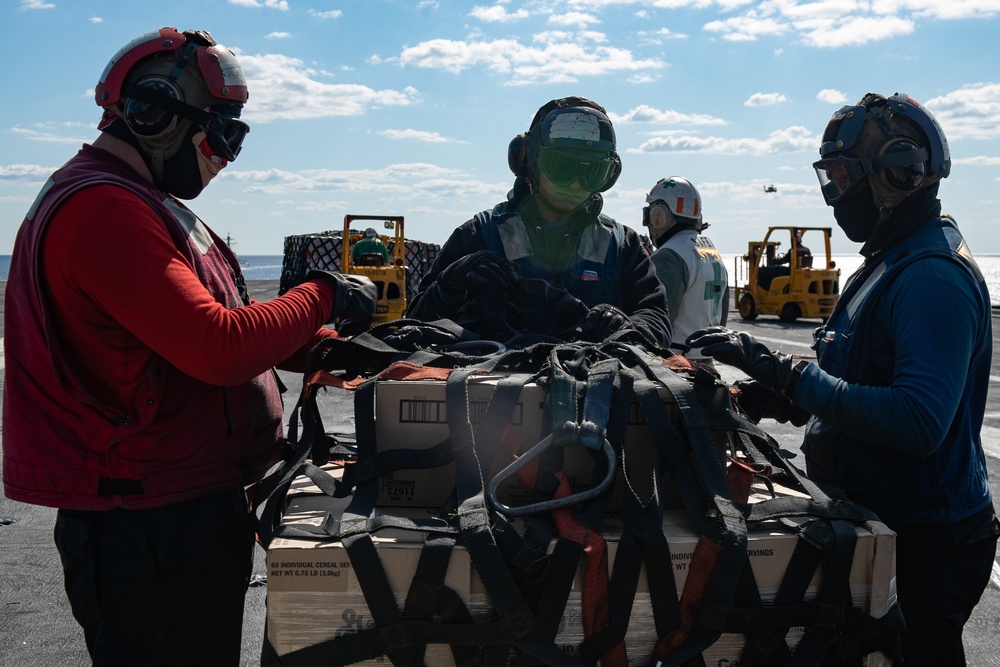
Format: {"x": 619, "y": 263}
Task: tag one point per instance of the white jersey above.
{"x": 696, "y": 281}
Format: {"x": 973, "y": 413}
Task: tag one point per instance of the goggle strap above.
{"x": 176, "y": 107}
{"x": 900, "y": 159}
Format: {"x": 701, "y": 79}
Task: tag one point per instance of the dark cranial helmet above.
{"x": 569, "y": 138}
{"x": 163, "y": 82}
{"x": 894, "y": 143}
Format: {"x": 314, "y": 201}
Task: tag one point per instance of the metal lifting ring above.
{"x": 554, "y": 503}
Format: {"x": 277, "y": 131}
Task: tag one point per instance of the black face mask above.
{"x": 181, "y": 173}
{"x": 857, "y": 215}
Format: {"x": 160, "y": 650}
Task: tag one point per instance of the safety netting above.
{"x": 322, "y": 251}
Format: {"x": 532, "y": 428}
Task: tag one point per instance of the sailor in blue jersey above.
{"x": 546, "y": 261}
{"x": 898, "y": 391}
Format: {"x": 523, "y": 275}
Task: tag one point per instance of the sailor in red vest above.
{"x": 140, "y": 396}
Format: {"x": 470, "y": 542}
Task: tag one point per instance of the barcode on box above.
{"x": 418, "y": 411}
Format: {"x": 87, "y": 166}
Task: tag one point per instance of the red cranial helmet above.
{"x": 163, "y": 82}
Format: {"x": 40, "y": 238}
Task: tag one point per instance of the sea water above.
{"x": 268, "y": 267}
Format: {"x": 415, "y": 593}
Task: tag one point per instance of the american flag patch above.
{"x": 589, "y": 276}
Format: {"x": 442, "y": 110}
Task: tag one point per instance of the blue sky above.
{"x": 406, "y": 108}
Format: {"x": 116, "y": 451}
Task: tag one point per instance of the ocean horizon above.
{"x": 268, "y": 267}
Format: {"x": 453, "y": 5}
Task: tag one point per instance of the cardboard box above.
{"x": 314, "y": 596}
{"x": 413, "y": 414}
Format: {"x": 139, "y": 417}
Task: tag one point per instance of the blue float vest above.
{"x": 593, "y": 277}
{"x": 949, "y": 485}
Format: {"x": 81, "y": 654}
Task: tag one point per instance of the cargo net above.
{"x": 323, "y": 252}
{"x": 576, "y": 504}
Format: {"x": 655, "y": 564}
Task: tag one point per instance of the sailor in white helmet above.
{"x": 686, "y": 261}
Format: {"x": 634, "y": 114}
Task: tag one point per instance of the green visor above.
{"x": 562, "y": 166}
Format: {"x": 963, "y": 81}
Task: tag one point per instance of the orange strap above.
{"x": 702, "y": 567}
{"x": 398, "y": 370}
{"x": 595, "y": 596}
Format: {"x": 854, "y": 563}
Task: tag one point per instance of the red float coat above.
{"x": 136, "y": 376}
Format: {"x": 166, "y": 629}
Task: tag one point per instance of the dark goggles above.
{"x": 839, "y": 176}
{"x": 563, "y": 166}
{"x": 225, "y": 132}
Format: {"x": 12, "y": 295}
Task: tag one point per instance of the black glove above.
{"x": 739, "y": 349}
{"x": 354, "y": 300}
{"x": 759, "y": 402}
{"x": 476, "y": 272}
{"x": 603, "y": 320}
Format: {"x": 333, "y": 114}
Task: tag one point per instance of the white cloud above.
{"x": 657, "y": 37}
{"x": 747, "y": 28}
{"x": 978, "y": 161}
{"x": 332, "y": 14}
{"x": 25, "y": 172}
{"x": 971, "y": 112}
{"x": 557, "y": 58}
{"x": 642, "y": 77}
{"x": 45, "y": 137}
{"x": 270, "y": 4}
{"x": 282, "y": 87}
{"x": 821, "y": 10}
{"x": 954, "y": 9}
{"x": 647, "y": 114}
{"x": 497, "y": 14}
{"x": 420, "y": 135}
{"x": 857, "y": 30}
{"x": 819, "y": 23}
{"x": 831, "y": 96}
{"x": 416, "y": 181}
{"x": 578, "y": 19}
{"x": 36, "y": 4}
{"x": 765, "y": 100}
{"x": 96, "y": 19}
{"x": 278, "y": 35}
{"x": 312, "y": 205}
{"x": 667, "y": 33}
{"x": 725, "y": 5}
{"x": 796, "y": 138}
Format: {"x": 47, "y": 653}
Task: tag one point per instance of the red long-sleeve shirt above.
{"x": 124, "y": 292}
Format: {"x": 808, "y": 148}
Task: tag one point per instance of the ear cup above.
{"x": 147, "y": 120}
{"x": 660, "y": 219}
{"x": 906, "y": 178}
{"x": 517, "y": 155}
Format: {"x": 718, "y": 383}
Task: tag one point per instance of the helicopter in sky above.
{"x": 770, "y": 188}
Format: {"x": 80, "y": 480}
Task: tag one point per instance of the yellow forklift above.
{"x": 389, "y": 276}
{"x": 790, "y": 285}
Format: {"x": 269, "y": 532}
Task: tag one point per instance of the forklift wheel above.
{"x": 790, "y": 312}
{"x": 748, "y": 309}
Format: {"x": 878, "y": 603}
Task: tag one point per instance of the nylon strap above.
{"x": 527, "y": 586}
